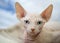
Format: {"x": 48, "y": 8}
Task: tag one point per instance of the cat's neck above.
{"x": 29, "y": 38}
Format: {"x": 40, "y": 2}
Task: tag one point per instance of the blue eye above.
{"x": 26, "y": 21}
{"x": 39, "y": 22}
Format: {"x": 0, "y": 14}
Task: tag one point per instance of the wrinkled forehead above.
{"x": 33, "y": 17}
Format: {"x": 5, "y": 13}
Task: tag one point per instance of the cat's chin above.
{"x": 33, "y": 33}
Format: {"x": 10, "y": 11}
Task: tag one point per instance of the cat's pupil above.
{"x": 26, "y": 21}
{"x": 39, "y": 22}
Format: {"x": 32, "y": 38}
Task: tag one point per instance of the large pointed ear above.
{"x": 20, "y": 12}
{"x": 46, "y": 14}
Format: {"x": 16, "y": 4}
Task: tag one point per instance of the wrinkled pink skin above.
{"x": 30, "y": 38}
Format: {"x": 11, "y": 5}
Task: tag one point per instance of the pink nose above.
{"x": 32, "y": 29}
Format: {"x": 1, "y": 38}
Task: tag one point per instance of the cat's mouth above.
{"x": 34, "y": 33}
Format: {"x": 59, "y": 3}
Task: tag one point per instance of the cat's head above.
{"x": 33, "y": 22}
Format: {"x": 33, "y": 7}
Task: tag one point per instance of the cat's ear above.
{"x": 46, "y": 14}
{"x": 20, "y": 12}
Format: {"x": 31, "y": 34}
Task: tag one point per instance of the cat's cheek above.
{"x": 38, "y": 31}
{"x": 28, "y": 30}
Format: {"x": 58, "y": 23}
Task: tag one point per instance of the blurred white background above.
{"x": 7, "y": 10}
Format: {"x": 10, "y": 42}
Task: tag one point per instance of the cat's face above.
{"x": 33, "y": 23}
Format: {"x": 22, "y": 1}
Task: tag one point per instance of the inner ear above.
{"x": 46, "y": 14}
{"x": 20, "y": 12}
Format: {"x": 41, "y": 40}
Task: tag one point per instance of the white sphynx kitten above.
{"x": 33, "y": 27}
{"x": 34, "y": 23}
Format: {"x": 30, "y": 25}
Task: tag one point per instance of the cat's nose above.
{"x": 32, "y": 29}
